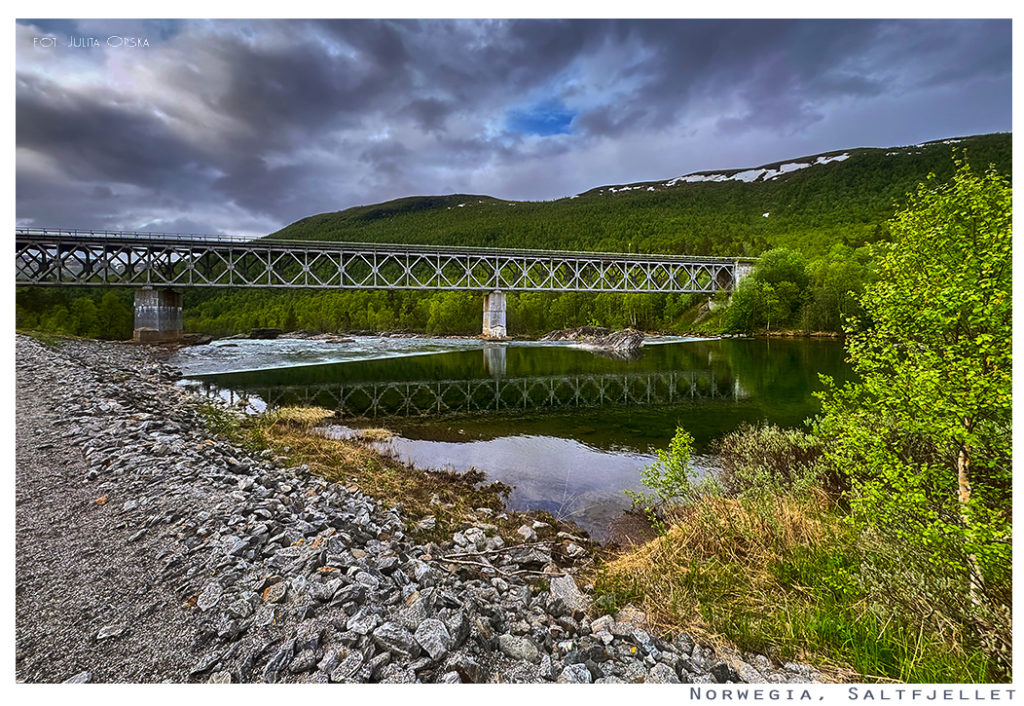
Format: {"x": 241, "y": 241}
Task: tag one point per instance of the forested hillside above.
{"x": 808, "y": 209}
{"x": 816, "y": 214}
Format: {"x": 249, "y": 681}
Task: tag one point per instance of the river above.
{"x": 568, "y": 428}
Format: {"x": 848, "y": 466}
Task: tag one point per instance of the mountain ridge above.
{"x": 807, "y": 202}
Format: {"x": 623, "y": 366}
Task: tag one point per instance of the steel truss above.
{"x": 51, "y": 257}
{"x": 437, "y": 398}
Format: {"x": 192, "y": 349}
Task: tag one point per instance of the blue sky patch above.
{"x": 547, "y": 118}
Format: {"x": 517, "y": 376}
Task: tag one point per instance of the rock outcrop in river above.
{"x": 625, "y": 342}
{"x": 150, "y": 550}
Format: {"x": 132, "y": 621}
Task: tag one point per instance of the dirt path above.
{"x": 68, "y": 589}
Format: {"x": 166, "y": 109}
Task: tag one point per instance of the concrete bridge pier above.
{"x": 157, "y": 315}
{"x": 741, "y": 269}
{"x": 494, "y": 315}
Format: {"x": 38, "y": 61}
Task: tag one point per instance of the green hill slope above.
{"x": 806, "y": 203}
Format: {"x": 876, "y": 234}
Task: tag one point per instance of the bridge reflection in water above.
{"x": 497, "y": 394}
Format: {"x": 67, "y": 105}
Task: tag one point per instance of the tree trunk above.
{"x": 963, "y": 464}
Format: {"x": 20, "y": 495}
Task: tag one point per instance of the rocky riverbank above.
{"x": 150, "y": 550}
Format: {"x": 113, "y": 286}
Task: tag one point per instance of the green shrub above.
{"x": 766, "y": 459}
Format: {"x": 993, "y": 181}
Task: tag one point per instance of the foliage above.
{"x": 785, "y": 290}
{"x": 92, "y": 313}
{"x": 925, "y": 433}
{"x": 836, "y": 281}
{"x": 673, "y": 480}
{"x": 760, "y": 460}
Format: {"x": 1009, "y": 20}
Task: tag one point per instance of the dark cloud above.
{"x": 430, "y": 114}
{"x": 248, "y": 125}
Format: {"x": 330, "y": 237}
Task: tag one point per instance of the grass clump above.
{"x": 374, "y": 435}
{"x": 47, "y": 338}
{"x": 297, "y": 417}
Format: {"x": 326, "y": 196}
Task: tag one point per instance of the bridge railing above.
{"x": 143, "y": 236}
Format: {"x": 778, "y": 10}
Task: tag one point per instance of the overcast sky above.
{"x": 245, "y": 126}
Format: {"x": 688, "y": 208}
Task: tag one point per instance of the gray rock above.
{"x": 662, "y": 674}
{"x": 392, "y": 637}
{"x": 276, "y": 592}
{"x": 564, "y": 588}
{"x": 518, "y": 648}
{"x": 700, "y": 660}
{"x": 759, "y": 662}
{"x": 348, "y": 667}
{"x": 723, "y": 673}
{"x": 368, "y": 580}
{"x": 395, "y": 674}
{"x": 475, "y": 537}
{"x": 433, "y": 637}
{"x": 221, "y": 677}
{"x": 574, "y": 550}
{"x": 527, "y": 533}
{"x": 468, "y": 668}
{"x": 265, "y": 615}
{"x": 280, "y": 661}
{"x": 240, "y": 609}
{"x": 575, "y": 674}
{"x": 645, "y": 642}
{"x": 109, "y": 631}
{"x": 749, "y": 675}
{"x": 237, "y": 547}
{"x": 205, "y": 663}
{"x": 414, "y": 613}
{"x": 634, "y": 672}
{"x": 684, "y": 643}
{"x": 210, "y": 596}
{"x": 374, "y": 666}
{"x": 363, "y": 623}
{"x": 304, "y": 661}
{"x": 80, "y": 678}
{"x": 804, "y": 671}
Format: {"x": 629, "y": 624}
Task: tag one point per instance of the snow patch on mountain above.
{"x": 756, "y": 174}
{"x": 766, "y": 173}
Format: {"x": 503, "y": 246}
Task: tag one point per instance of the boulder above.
{"x": 264, "y": 334}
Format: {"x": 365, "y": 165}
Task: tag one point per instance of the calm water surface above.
{"x": 568, "y": 428}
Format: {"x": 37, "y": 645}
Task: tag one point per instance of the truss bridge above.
{"x": 158, "y": 265}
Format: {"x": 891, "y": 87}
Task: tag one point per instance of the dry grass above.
{"x": 450, "y": 497}
{"x": 374, "y": 434}
{"x": 723, "y": 534}
{"x": 782, "y": 576}
{"x": 299, "y": 417}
